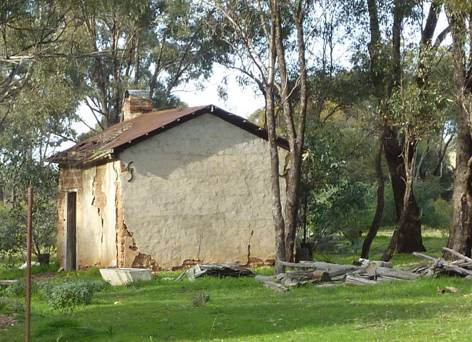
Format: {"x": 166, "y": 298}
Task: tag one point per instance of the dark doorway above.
{"x": 70, "y": 262}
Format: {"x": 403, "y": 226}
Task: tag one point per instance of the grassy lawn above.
{"x": 242, "y": 310}
{"x": 433, "y": 240}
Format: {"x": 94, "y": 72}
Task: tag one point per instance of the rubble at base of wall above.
{"x": 145, "y": 261}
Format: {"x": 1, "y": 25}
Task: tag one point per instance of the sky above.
{"x": 241, "y": 100}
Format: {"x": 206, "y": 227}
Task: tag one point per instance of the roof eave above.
{"x": 96, "y": 158}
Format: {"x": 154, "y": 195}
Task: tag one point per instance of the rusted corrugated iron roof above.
{"x": 118, "y": 137}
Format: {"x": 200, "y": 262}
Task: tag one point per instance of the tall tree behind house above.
{"x": 268, "y": 42}
{"x": 399, "y": 140}
{"x": 153, "y": 44}
{"x": 460, "y": 19}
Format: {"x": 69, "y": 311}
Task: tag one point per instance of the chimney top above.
{"x": 135, "y": 103}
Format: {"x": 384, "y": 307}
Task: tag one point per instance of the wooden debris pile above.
{"x": 215, "y": 270}
{"x": 461, "y": 267}
{"x": 328, "y": 274}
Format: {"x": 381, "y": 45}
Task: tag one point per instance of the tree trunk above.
{"x": 374, "y": 227}
{"x": 460, "y": 236}
{"x": 406, "y": 238}
{"x": 409, "y": 229}
{"x": 291, "y": 205}
{"x": 295, "y": 124}
{"x": 279, "y": 224}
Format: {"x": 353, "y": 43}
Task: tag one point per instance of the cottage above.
{"x": 166, "y": 188}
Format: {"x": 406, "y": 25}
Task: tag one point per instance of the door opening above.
{"x": 70, "y": 261}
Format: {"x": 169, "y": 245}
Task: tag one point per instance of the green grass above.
{"x": 242, "y": 310}
{"x": 433, "y": 240}
{"x": 15, "y": 272}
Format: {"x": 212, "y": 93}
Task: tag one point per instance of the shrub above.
{"x": 200, "y": 299}
{"x": 66, "y": 297}
{"x": 97, "y": 285}
{"x": 15, "y": 290}
{"x": 438, "y": 213}
{"x": 10, "y": 306}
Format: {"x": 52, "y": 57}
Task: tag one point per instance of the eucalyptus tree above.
{"x": 387, "y": 76}
{"x": 460, "y": 18}
{"x": 38, "y": 97}
{"x": 38, "y": 122}
{"x": 29, "y": 30}
{"x": 152, "y": 44}
{"x": 267, "y": 42}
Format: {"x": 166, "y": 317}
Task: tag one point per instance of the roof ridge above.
{"x": 121, "y": 135}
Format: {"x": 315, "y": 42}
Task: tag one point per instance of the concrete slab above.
{"x": 123, "y": 276}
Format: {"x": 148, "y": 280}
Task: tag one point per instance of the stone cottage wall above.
{"x": 96, "y": 213}
{"x": 199, "y": 191}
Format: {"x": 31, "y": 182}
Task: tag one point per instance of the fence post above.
{"x": 29, "y": 238}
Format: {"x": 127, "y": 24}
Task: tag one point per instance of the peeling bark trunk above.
{"x": 291, "y": 206}
{"x": 279, "y": 224}
{"x": 460, "y": 235}
{"x": 408, "y": 238}
{"x": 294, "y": 119}
{"x": 374, "y": 227}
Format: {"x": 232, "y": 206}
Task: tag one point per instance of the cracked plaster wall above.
{"x": 199, "y": 191}
{"x": 96, "y": 214}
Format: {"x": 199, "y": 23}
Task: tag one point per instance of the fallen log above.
{"x": 269, "y": 282}
{"x": 441, "y": 266}
{"x": 327, "y": 274}
{"x": 364, "y": 262}
{"x": 293, "y": 279}
{"x": 395, "y": 273}
{"x": 320, "y": 265}
{"x": 456, "y": 270}
{"x": 350, "y": 279}
{"x": 424, "y": 256}
{"x": 457, "y": 254}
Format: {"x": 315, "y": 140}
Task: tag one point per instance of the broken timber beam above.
{"x": 424, "y": 256}
{"x": 457, "y": 254}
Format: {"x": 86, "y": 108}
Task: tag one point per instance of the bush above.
{"x": 200, "y": 299}
{"x": 15, "y": 290}
{"x": 436, "y": 211}
{"x": 66, "y": 297}
{"x": 438, "y": 214}
{"x": 11, "y": 306}
{"x": 97, "y": 286}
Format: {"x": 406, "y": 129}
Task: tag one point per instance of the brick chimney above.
{"x": 135, "y": 103}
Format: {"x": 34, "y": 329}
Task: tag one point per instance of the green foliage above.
{"x": 200, "y": 299}
{"x": 417, "y": 108}
{"x": 436, "y": 210}
{"x": 438, "y": 214}
{"x": 431, "y": 195}
{"x": 15, "y": 290}
{"x": 11, "y": 306}
{"x": 68, "y": 296}
{"x": 339, "y": 191}
{"x": 11, "y": 233}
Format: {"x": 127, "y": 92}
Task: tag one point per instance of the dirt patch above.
{"x": 6, "y": 321}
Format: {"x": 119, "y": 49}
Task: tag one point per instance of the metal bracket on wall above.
{"x": 129, "y": 171}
